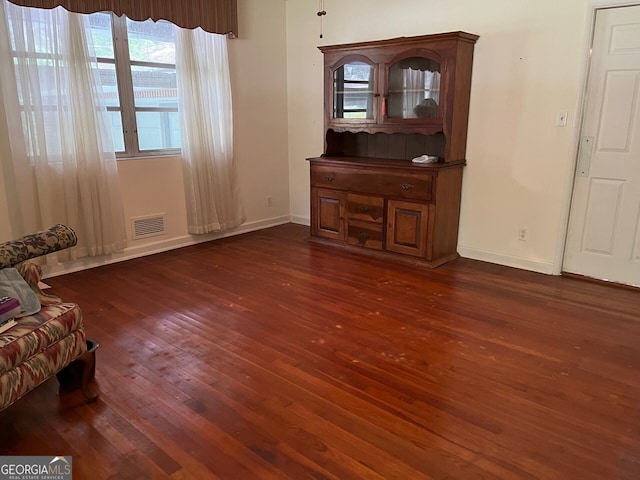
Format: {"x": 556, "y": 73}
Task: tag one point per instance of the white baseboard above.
{"x": 130, "y": 253}
{"x": 301, "y": 220}
{"x": 506, "y": 260}
{"x": 483, "y": 255}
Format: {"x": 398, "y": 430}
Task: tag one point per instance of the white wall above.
{"x": 258, "y": 76}
{"x": 259, "y": 81}
{"x": 529, "y": 64}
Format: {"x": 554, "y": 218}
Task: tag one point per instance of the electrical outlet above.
{"x": 269, "y": 201}
{"x": 523, "y": 234}
{"x": 561, "y": 119}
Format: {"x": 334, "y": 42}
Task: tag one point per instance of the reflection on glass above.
{"x": 154, "y": 86}
{"x": 158, "y": 130}
{"x": 414, "y": 88}
{"x": 353, "y": 91}
{"x": 107, "y": 73}
{"x": 100, "y": 26}
{"x": 115, "y": 119}
{"x": 151, "y": 41}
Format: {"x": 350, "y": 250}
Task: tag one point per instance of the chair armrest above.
{"x": 36, "y": 244}
{"x": 32, "y": 273}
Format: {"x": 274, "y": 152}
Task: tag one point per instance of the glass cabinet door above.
{"x": 414, "y": 89}
{"x": 353, "y": 91}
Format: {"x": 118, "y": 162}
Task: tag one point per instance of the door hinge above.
{"x": 584, "y": 156}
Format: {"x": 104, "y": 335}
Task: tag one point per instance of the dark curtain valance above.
{"x": 215, "y": 16}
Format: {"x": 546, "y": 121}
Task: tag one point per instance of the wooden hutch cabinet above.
{"x": 387, "y": 102}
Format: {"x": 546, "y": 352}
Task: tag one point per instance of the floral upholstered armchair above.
{"x": 47, "y": 338}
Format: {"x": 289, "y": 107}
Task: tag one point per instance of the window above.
{"x": 353, "y": 91}
{"x": 136, "y": 63}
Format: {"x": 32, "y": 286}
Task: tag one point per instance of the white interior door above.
{"x": 603, "y": 239}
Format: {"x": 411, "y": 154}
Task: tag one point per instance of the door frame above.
{"x": 594, "y": 7}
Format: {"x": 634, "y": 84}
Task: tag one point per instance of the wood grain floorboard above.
{"x": 265, "y": 356}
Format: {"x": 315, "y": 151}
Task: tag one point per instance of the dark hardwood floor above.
{"x": 264, "y": 356}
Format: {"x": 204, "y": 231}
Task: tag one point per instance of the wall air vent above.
{"x": 148, "y": 226}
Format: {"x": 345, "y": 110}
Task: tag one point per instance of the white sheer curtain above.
{"x": 433, "y": 85}
{"x": 414, "y": 91}
{"x": 204, "y": 89}
{"x": 62, "y": 167}
{"x": 422, "y": 95}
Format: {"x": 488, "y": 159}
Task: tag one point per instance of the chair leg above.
{"x": 88, "y": 360}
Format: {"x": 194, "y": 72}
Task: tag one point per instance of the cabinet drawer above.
{"x": 365, "y": 208}
{"x": 363, "y": 234}
{"x": 415, "y": 186}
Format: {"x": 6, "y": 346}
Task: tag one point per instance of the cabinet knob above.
{"x": 364, "y": 209}
{"x": 330, "y": 178}
{"x": 407, "y": 186}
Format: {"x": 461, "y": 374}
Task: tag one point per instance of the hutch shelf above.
{"x": 387, "y": 102}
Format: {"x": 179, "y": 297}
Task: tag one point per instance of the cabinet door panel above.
{"x": 413, "y": 88}
{"x": 353, "y": 90}
{"x": 327, "y": 212}
{"x": 407, "y": 228}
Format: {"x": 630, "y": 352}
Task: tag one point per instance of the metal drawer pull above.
{"x": 330, "y": 178}
{"x": 364, "y": 209}
{"x": 407, "y": 186}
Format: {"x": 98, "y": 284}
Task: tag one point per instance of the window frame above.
{"x": 128, "y": 108}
